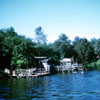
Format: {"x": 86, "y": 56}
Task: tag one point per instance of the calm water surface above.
{"x": 54, "y": 87}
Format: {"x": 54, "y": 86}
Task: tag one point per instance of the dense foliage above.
{"x": 84, "y": 50}
{"x": 19, "y": 52}
{"x": 15, "y": 51}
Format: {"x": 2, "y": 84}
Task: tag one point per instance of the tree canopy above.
{"x": 20, "y": 52}
{"x": 84, "y": 50}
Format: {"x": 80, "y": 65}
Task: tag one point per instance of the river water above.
{"x": 54, "y": 87}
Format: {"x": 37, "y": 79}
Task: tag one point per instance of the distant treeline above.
{"x": 17, "y": 51}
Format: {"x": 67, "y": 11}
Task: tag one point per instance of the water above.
{"x": 54, "y": 87}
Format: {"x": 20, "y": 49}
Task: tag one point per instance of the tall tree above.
{"x": 84, "y": 50}
{"x": 40, "y": 37}
{"x": 62, "y": 45}
{"x": 96, "y": 46}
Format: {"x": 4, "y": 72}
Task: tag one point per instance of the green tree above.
{"x": 17, "y": 51}
{"x": 96, "y": 46}
{"x": 62, "y": 45}
{"x": 7, "y": 46}
{"x": 3, "y": 51}
{"x": 84, "y": 50}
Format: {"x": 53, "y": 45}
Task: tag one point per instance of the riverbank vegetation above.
{"x": 17, "y": 51}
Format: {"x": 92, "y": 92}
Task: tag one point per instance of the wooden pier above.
{"x": 24, "y": 73}
{"x": 65, "y": 68}
{"x": 31, "y": 76}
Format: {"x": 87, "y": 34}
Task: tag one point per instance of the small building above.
{"x": 67, "y": 62}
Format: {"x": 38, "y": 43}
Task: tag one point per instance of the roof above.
{"x": 40, "y": 57}
{"x": 66, "y": 60}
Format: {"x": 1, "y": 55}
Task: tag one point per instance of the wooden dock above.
{"x": 63, "y": 68}
{"x": 31, "y": 76}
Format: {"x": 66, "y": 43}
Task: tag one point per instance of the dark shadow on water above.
{"x": 94, "y": 68}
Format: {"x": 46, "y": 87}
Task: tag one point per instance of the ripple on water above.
{"x": 55, "y": 87}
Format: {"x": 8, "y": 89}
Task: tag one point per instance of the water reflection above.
{"x": 55, "y": 87}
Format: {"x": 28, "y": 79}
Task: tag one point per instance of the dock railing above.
{"x": 29, "y": 72}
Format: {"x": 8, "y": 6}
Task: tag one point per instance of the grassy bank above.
{"x": 94, "y": 65}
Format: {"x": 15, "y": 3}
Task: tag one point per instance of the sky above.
{"x": 72, "y": 17}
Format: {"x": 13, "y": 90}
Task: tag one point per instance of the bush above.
{"x": 93, "y": 64}
{"x": 98, "y": 63}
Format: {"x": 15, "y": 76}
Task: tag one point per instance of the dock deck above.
{"x": 32, "y": 76}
